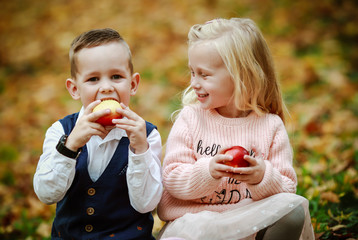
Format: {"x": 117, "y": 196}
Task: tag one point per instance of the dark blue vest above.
{"x": 101, "y": 209}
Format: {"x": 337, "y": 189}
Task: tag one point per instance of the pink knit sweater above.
{"x": 197, "y": 135}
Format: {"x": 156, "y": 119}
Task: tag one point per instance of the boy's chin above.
{"x": 109, "y": 128}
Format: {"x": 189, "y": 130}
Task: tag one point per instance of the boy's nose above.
{"x": 106, "y": 86}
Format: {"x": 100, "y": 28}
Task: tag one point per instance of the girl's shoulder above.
{"x": 269, "y": 120}
{"x": 274, "y": 122}
{"x": 274, "y": 118}
{"x": 190, "y": 111}
{"x": 191, "y": 115}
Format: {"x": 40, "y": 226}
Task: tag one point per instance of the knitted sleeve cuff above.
{"x": 269, "y": 185}
{"x": 202, "y": 169}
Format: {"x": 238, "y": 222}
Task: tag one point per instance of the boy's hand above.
{"x": 135, "y": 127}
{"x": 86, "y": 127}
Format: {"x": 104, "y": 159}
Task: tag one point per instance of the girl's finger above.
{"x": 251, "y": 160}
{"x": 222, "y": 158}
{"x": 243, "y": 170}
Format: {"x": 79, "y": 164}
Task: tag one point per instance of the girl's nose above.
{"x": 194, "y": 83}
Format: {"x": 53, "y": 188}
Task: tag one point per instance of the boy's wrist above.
{"x": 139, "y": 149}
{"x": 70, "y": 144}
{"x": 61, "y": 148}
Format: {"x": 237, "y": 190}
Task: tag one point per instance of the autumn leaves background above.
{"x": 314, "y": 44}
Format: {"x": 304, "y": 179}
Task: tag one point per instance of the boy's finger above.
{"x": 91, "y": 106}
{"x": 96, "y": 115}
{"x": 127, "y": 112}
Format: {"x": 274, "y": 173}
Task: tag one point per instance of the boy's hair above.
{"x": 93, "y": 38}
{"x": 248, "y": 60}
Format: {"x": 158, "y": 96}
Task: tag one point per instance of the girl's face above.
{"x": 103, "y": 73}
{"x": 211, "y": 80}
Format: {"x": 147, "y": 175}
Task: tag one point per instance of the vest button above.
{"x": 91, "y": 191}
{"x": 89, "y": 228}
{"x": 90, "y": 211}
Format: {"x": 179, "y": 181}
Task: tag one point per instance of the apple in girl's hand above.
{"x": 237, "y": 154}
{"x": 107, "y": 119}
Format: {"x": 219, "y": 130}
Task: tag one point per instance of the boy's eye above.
{"x": 204, "y": 75}
{"x": 93, "y": 79}
{"x": 116, "y": 77}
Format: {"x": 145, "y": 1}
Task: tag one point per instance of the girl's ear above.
{"x": 71, "y": 86}
{"x": 135, "y": 83}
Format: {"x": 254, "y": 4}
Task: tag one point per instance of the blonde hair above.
{"x": 93, "y": 38}
{"x": 248, "y": 59}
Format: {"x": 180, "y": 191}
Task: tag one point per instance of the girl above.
{"x": 233, "y": 100}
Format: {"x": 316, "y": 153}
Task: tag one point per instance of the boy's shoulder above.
{"x": 150, "y": 127}
{"x": 70, "y": 117}
{"x": 69, "y": 122}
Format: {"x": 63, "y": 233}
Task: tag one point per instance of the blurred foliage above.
{"x": 314, "y": 44}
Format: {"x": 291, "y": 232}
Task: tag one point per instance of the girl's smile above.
{"x": 201, "y": 97}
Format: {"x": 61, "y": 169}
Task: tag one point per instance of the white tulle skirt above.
{"x": 241, "y": 223}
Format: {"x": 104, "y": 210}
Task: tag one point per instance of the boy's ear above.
{"x": 135, "y": 83}
{"x": 72, "y": 88}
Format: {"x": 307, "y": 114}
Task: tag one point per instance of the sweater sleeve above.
{"x": 184, "y": 176}
{"x": 279, "y": 175}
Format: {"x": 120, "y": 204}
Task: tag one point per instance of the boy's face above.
{"x": 103, "y": 72}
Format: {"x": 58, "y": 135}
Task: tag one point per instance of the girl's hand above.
{"x": 135, "y": 127}
{"x": 86, "y": 127}
{"x": 252, "y": 174}
{"x": 217, "y": 168}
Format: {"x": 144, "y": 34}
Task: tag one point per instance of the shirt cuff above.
{"x": 63, "y": 164}
{"x": 138, "y": 161}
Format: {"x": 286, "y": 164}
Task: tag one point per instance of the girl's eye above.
{"x": 204, "y": 75}
{"x": 93, "y": 79}
{"x": 192, "y": 73}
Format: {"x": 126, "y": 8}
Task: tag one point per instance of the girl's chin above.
{"x": 205, "y": 106}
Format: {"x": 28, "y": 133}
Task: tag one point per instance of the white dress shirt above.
{"x": 55, "y": 172}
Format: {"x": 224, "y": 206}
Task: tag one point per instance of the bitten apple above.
{"x": 107, "y": 119}
{"x": 237, "y": 153}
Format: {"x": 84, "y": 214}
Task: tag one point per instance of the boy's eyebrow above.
{"x": 121, "y": 70}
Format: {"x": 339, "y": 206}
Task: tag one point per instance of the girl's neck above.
{"x": 233, "y": 113}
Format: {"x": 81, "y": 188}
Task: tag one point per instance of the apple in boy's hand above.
{"x": 237, "y": 153}
{"x": 107, "y": 119}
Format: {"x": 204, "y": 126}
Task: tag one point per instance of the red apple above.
{"x": 238, "y": 154}
{"x": 107, "y": 119}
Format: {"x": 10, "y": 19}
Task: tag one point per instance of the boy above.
{"x": 105, "y": 180}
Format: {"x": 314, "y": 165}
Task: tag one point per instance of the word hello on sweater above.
{"x": 208, "y": 151}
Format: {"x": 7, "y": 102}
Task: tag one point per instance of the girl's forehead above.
{"x": 205, "y": 56}
{"x": 203, "y": 48}
{"x": 202, "y": 43}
